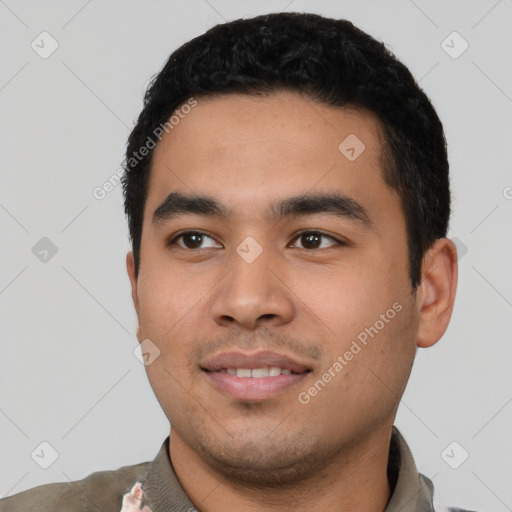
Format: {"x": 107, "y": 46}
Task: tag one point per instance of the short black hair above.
{"x": 332, "y": 62}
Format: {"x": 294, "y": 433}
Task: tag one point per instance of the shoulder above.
{"x": 101, "y": 491}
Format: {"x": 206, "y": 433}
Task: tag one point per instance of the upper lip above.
{"x": 262, "y": 359}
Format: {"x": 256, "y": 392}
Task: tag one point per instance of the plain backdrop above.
{"x": 69, "y": 376}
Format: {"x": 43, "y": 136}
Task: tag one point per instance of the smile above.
{"x": 254, "y": 376}
{"x": 273, "y": 371}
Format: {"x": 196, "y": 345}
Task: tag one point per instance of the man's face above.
{"x": 298, "y": 290}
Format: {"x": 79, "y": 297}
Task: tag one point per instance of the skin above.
{"x": 310, "y": 303}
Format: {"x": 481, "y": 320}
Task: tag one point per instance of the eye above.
{"x": 197, "y": 239}
{"x": 313, "y": 240}
{"x": 192, "y": 240}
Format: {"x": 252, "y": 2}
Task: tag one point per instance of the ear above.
{"x": 130, "y": 268}
{"x": 436, "y": 293}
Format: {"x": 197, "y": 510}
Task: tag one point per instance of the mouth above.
{"x": 254, "y": 377}
{"x": 257, "y": 373}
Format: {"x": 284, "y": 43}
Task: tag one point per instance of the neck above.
{"x": 354, "y": 480}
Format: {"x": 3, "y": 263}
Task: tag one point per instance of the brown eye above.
{"x": 311, "y": 241}
{"x": 193, "y": 240}
{"x": 314, "y": 240}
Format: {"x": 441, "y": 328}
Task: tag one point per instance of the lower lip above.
{"x": 253, "y": 388}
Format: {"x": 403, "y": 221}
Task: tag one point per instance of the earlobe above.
{"x": 436, "y": 294}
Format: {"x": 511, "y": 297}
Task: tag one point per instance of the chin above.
{"x": 260, "y": 463}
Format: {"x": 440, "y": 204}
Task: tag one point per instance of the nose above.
{"x": 253, "y": 294}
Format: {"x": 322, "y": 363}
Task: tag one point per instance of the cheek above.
{"x": 173, "y": 305}
{"x": 347, "y": 298}
{"x": 168, "y": 297}
{"x": 361, "y": 313}
{"x": 366, "y": 378}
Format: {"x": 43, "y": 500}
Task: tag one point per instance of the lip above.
{"x": 253, "y": 388}
{"x": 260, "y": 359}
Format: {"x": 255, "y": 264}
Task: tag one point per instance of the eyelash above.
{"x": 174, "y": 239}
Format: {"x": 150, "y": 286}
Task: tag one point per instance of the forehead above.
{"x": 284, "y": 118}
{"x": 246, "y": 150}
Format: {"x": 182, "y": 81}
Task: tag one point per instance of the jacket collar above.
{"x": 413, "y": 491}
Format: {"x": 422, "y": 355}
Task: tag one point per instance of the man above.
{"x": 288, "y": 201}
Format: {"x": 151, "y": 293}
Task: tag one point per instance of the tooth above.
{"x": 232, "y": 371}
{"x": 259, "y": 372}
{"x": 274, "y": 371}
{"x": 285, "y": 371}
{"x": 243, "y": 372}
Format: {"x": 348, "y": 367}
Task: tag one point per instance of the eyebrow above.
{"x": 177, "y": 204}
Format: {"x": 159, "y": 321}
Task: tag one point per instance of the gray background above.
{"x": 68, "y": 373}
